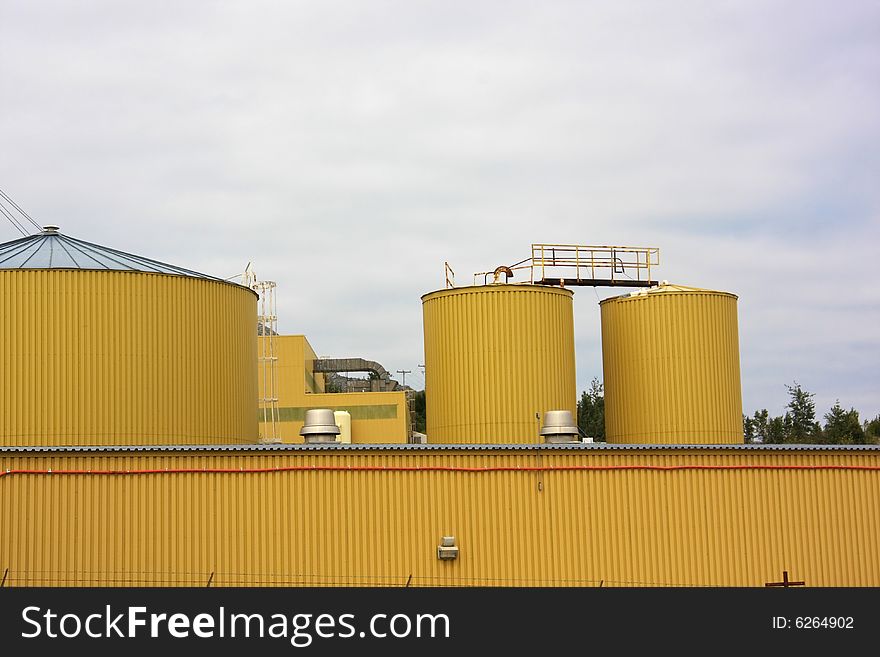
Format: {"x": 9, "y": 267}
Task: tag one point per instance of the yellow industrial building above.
{"x": 376, "y": 417}
{"x": 134, "y": 451}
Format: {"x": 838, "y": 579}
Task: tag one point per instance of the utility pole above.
{"x": 404, "y": 373}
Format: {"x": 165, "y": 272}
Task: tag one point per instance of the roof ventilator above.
{"x": 559, "y": 427}
{"x": 319, "y": 427}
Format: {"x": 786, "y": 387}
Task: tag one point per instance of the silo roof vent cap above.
{"x": 319, "y": 426}
{"x": 559, "y": 427}
{"x": 50, "y": 229}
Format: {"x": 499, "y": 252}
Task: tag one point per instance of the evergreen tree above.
{"x": 799, "y": 425}
{"x": 785, "y": 423}
{"x": 775, "y": 431}
{"x": 748, "y": 429}
{"x": 759, "y": 426}
{"x": 843, "y": 427}
{"x": 872, "y": 430}
{"x": 591, "y": 411}
{"x": 800, "y": 420}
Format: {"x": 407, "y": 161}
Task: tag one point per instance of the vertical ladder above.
{"x": 267, "y": 322}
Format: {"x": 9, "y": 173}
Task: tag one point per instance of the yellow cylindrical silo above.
{"x": 140, "y": 353}
{"x": 671, "y": 367}
{"x": 497, "y": 357}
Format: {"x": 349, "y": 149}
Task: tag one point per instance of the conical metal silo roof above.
{"x": 50, "y": 249}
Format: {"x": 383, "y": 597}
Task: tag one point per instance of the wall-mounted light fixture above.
{"x": 447, "y": 548}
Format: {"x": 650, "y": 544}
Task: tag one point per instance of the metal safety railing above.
{"x": 614, "y": 263}
{"x": 576, "y": 264}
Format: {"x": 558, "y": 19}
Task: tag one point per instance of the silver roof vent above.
{"x": 50, "y": 229}
{"x": 320, "y": 426}
{"x": 559, "y": 427}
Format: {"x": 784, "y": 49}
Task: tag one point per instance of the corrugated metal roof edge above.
{"x": 466, "y": 447}
{"x": 498, "y": 287}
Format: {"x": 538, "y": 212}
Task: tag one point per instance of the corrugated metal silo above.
{"x": 495, "y": 355}
{"x": 101, "y": 347}
{"x": 671, "y": 364}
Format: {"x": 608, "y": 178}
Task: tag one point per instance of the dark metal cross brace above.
{"x": 785, "y": 581}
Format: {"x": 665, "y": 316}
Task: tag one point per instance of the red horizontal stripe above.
{"x": 435, "y": 468}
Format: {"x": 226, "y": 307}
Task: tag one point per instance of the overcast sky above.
{"x": 348, "y": 148}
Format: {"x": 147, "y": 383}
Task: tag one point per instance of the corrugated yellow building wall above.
{"x": 671, "y": 367}
{"x": 117, "y": 357}
{"x": 531, "y": 517}
{"x": 495, "y": 356}
{"x": 376, "y": 417}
